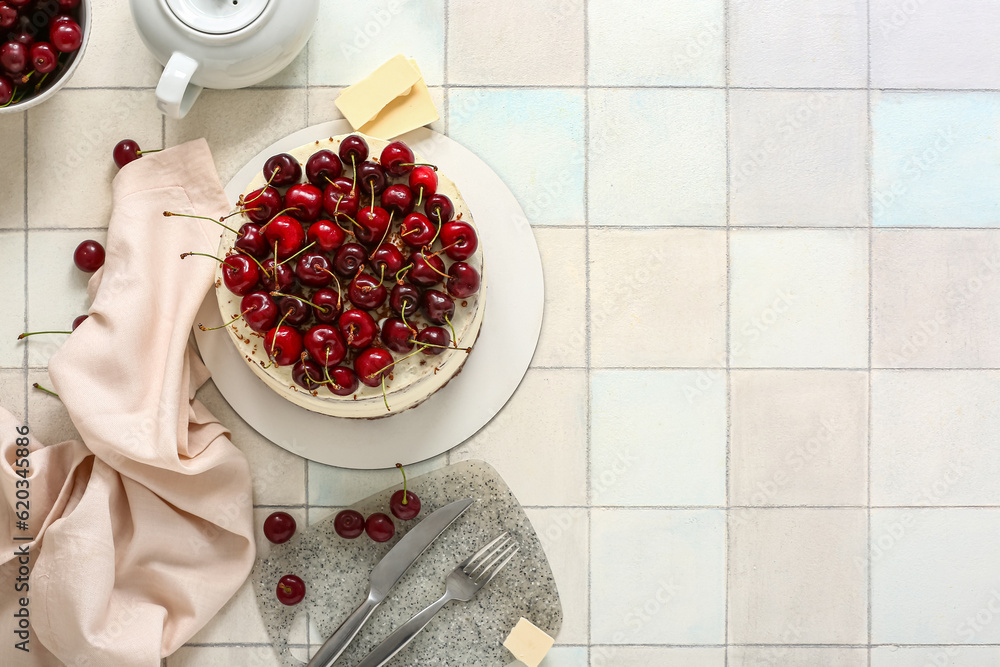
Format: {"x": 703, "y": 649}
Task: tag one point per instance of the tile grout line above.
{"x": 27, "y": 342}
{"x": 871, "y": 234}
{"x": 585, "y": 86}
{"x": 729, "y": 310}
{"x": 446, "y": 83}
{"x": 587, "y": 323}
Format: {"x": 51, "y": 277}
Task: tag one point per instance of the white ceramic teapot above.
{"x": 220, "y": 43}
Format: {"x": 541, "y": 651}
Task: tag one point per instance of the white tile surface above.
{"x": 799, "y": 298}
{"x": 563, "y": 532}
{"x": 794, "y": 576}
{"x": 768, "y": 656}
{"x": 934, "y": 299}
{"x": 675, "y": 174}
{"x": 48, "y": 419}
{"x": 933, "y": 437}
{"x": 921, "y": 656}
{"x": 542, "y": 42}
{"x": 565, "y": 656}
{"x": 798, "y": 43}
{"x": 223, "y": 656}
{"x": 798, "y": 437}
{"x": 354, "y": 39}
{"x": 12, "y": 194}
{"x": 564, "y": 336}
{"x": 115, "y": 54}
{"x": 934, "y": 576}
{"x": 12, "y": 257}
{"x": 657, "y": 577}
{"x": 337, "y": 487}
{"x": 644, "y": 656}
{"x": 933, "y": 44}
{"x": 77, "y": 157}
{"x": 547, "y": 418}
{"x": 799, "y": 157}
{"x": 510, "y": 128}
{"x": 657, "y": 439}
{"x": 57, "y": 290}
{"x": 670, "y": 42}
{"x": 658, "y": 297}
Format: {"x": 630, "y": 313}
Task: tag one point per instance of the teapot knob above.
{"x": 175, "y": 93}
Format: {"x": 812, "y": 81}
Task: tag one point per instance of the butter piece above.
{"x": 364, "y": 100}
{"x": 528, "y": 643}
{"x": 406, "y": 112}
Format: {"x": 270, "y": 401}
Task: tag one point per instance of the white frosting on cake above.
{"x": 414, "y": 379}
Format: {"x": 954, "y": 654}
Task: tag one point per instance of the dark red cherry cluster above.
{"x": 403, "y": 504}
{"x": 38, "y": 37}
{"x": 347, "y": 260}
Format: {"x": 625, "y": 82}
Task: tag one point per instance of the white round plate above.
{"x": 514, "y": 302}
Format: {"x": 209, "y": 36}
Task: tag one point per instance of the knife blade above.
{"x": 385, "y": 575}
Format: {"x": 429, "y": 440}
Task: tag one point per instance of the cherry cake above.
{"x": 353, "y": 277}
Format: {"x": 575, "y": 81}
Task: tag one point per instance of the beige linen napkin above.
{"x": 144, "y": 529}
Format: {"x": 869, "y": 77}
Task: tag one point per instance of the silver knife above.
{"x": 386, "y": 574}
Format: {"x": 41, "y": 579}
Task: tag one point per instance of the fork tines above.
{"x": 489, "y": 560}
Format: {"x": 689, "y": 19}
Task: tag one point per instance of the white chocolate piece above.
{"x": 528, "y": 643}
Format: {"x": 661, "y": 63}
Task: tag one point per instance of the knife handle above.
{"x": 403, "y": 635}
{"x": 342, "y": 636}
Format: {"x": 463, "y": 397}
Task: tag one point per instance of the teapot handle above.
{"x": 175, "y": 93}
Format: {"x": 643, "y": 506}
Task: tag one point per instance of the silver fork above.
{"x": 464, "y": 582}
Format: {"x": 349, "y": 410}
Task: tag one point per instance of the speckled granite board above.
{"x": 470, "y": 634}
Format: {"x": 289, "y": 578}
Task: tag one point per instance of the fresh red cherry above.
{"x": 380, "y": 527}
{"x": 358, "y": 328}
{"x": 345, "y": 381}
{"x": 353, "y": 149}
{"x": 328, "y": 304}
{"x": 294, "y": 309}
{"x": 387, "y": 260}
{"x": 417, "y": 230}
{"x": 374, "y": 221}
{"x": 14, "y": 57}
{"x": 367, "y": 292}
{"x": 372, "y": 178}
{"x": 251, "y": 240}
{"x": 322, "y": 167}
{"x": 262, "y": 204}
{"x": 404, "y": 511}
{"x": 291, "y": 590}
{"x": 276, "y": 278}
{"x": 427, "y": 269}
{"x": 404, "y": 299}
{"x": 439, "y": 209}
{"x": 66, "y": 36}
{"x": 89, "y": 256}
{"x": 341, "y": 199}
{"x": 305, "y": 200}
{"x": 78, "y": 321}
{"x": 372, "y": 365}
{"x": 279, "y": 527}
{"x": 313, "y": 270}
{"x": 436, "y": 338}
{"x": 459, "y": 240}
{"x": 398, "y": 200}
{"x": 58, "y": 18}
{"x": 8, "y": 15}
{"x": 325, "y": 345}
{"x": 307, "y": 374}
{"x": 44, "y": 58}
{"x": 125, "y": 151}
{"x": 260, "y": 312}
{"x": 397, "y": 336}
{"x": 349, "y": 524}
{"x": 19, "y": 3}
{"x": 437, "y": 306}
{"x": 423, "y": 181}
{"x": 326, "y": 234}
{"x": 6, "y": 90}
{"x": 397, "y": 158}
{"x": 282, "y": 170}
{"x": 463, "y": 280}
{"x": 283, "y": 344}
{"x": 348, "y": 259}
{"x": 67, "y": 5}
{"x": 287, "y": 232}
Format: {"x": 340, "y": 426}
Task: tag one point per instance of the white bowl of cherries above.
{"x": 41, "y": 45}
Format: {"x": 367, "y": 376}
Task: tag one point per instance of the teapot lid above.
{"x": 217, "y": 17}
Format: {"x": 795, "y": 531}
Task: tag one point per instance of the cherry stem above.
{"x": 170, "y": 214}
{"x": 261, "y": 266}
{"x": 445, "y": 248}
{"x": 420, "y": 197}
{"x": 402, "y": 272}
{"x": 396, "y": 361}
{"x": 354, "y": 168}
{"x": 400, "y": 466}
{"x": 201, "y": 254}
{"x": 440, "y": 225}
{"x": 151, "y": 150}
{"x": 282, "y": 211}
{"x": 274, "y": 340}
{"x": 381, "y": 277}
{"x": 454, "y": 338}
{"x": 373, "y": 195}
{"x": 47, "y": 391}
{"x": 340, "y": 296}
{"x": 412, "y": 231}
{"x": 443, "y": 347}
{"x": 296, "y": 254}
{"x": 402, "y": 315}
{"x": 260, "y": 192}
{"x": 385, "y": 399}
{"x": 223, "y": 326}
{"x": 418, "y": 164}
{"x": 318, "y": 307}
{"x": 435, "y": 269}
{"x": 35, "y": 333}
